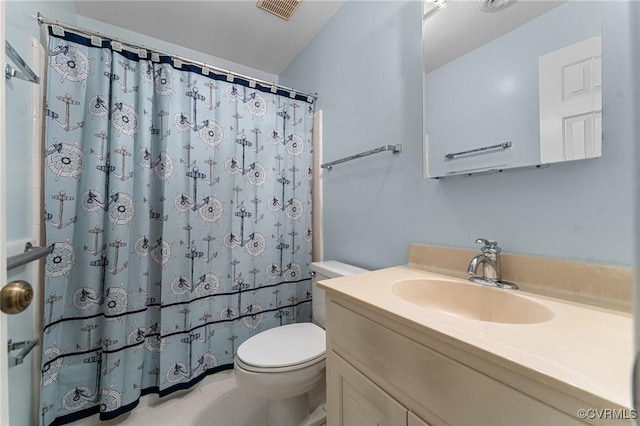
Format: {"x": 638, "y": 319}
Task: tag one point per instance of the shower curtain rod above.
{"x": 252, "y": 80}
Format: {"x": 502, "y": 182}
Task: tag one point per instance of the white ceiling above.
{"x": 235, "y": 30}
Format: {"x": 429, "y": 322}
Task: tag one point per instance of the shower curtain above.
{"x": 178, "y": 203}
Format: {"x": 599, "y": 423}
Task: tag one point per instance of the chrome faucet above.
{"x": 491, "y": 268}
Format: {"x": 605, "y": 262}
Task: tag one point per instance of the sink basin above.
{"x": 473, "y": 301}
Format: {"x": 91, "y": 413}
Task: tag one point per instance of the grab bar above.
{"x": 394, "y": 148}
{"x": 30, "y": 254}
{"x": 501, "y": 146}
{"x": 26, "y": 346}
{"x": 25, "y": 72}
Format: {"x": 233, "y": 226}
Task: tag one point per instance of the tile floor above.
{"x": 215, "y": 401}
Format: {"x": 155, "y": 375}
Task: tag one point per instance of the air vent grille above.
{"x": 281, "y": 8}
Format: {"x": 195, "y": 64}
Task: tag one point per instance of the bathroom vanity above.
{"x": 401, "y": 352}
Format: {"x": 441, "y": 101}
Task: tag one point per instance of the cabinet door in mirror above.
{"x": 518, "y": 87}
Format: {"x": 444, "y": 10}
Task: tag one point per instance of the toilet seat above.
{"x": 289, "y": 347}
{"x": 288, "y": 368}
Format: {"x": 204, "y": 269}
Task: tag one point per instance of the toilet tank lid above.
{"x": 335, "y": 269}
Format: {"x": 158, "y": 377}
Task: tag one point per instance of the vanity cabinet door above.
{"x": 413, "y": 420}
{"x": 354, "y": 400}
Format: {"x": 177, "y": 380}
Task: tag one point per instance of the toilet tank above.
{"x": 323, "y": 271}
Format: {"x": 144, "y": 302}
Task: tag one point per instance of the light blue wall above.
{"x": 366, "y": 66}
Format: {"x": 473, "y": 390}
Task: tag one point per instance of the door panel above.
{"x": 413, "y": 420}
{"x": 355, "y": 400}
{"x": 22, "y": 137}
{"x": 571, "y": 102}
{"x": 4, "y": 382}
{"x": 20, "y": 328}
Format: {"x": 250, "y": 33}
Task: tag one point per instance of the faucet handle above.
{"x": 489, "y": 246}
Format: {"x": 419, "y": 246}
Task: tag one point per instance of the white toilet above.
{"x": 290, "y": 377}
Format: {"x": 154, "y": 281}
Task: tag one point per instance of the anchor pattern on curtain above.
{"x": 179, "y": 207}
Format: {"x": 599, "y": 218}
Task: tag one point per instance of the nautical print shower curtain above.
{"x": 178, "y": 203}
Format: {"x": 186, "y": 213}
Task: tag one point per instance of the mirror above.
{"x": 511, "y": 88}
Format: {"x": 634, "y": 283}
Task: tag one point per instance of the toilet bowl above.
{"x": 282, "y": 362}
{"x": 287, "y": 363}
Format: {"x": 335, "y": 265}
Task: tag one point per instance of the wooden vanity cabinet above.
{"x": 381, "y": 372}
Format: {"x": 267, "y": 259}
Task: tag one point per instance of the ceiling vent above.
{"x": 281, "y": 8}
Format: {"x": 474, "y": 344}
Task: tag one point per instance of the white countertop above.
{"x": 584, "y": 348}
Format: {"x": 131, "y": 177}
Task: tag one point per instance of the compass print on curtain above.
{"x": 179, "y": 208}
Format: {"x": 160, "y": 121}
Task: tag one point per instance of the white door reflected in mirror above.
{"x": 571, "y": 102}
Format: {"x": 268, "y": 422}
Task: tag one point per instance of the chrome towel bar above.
{"x": 30, "y": 254}
{"x": 501, "y": 146}
{"x": 393, "y": 148}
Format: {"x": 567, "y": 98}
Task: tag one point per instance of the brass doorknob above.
{"x": 15, "y": 297}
